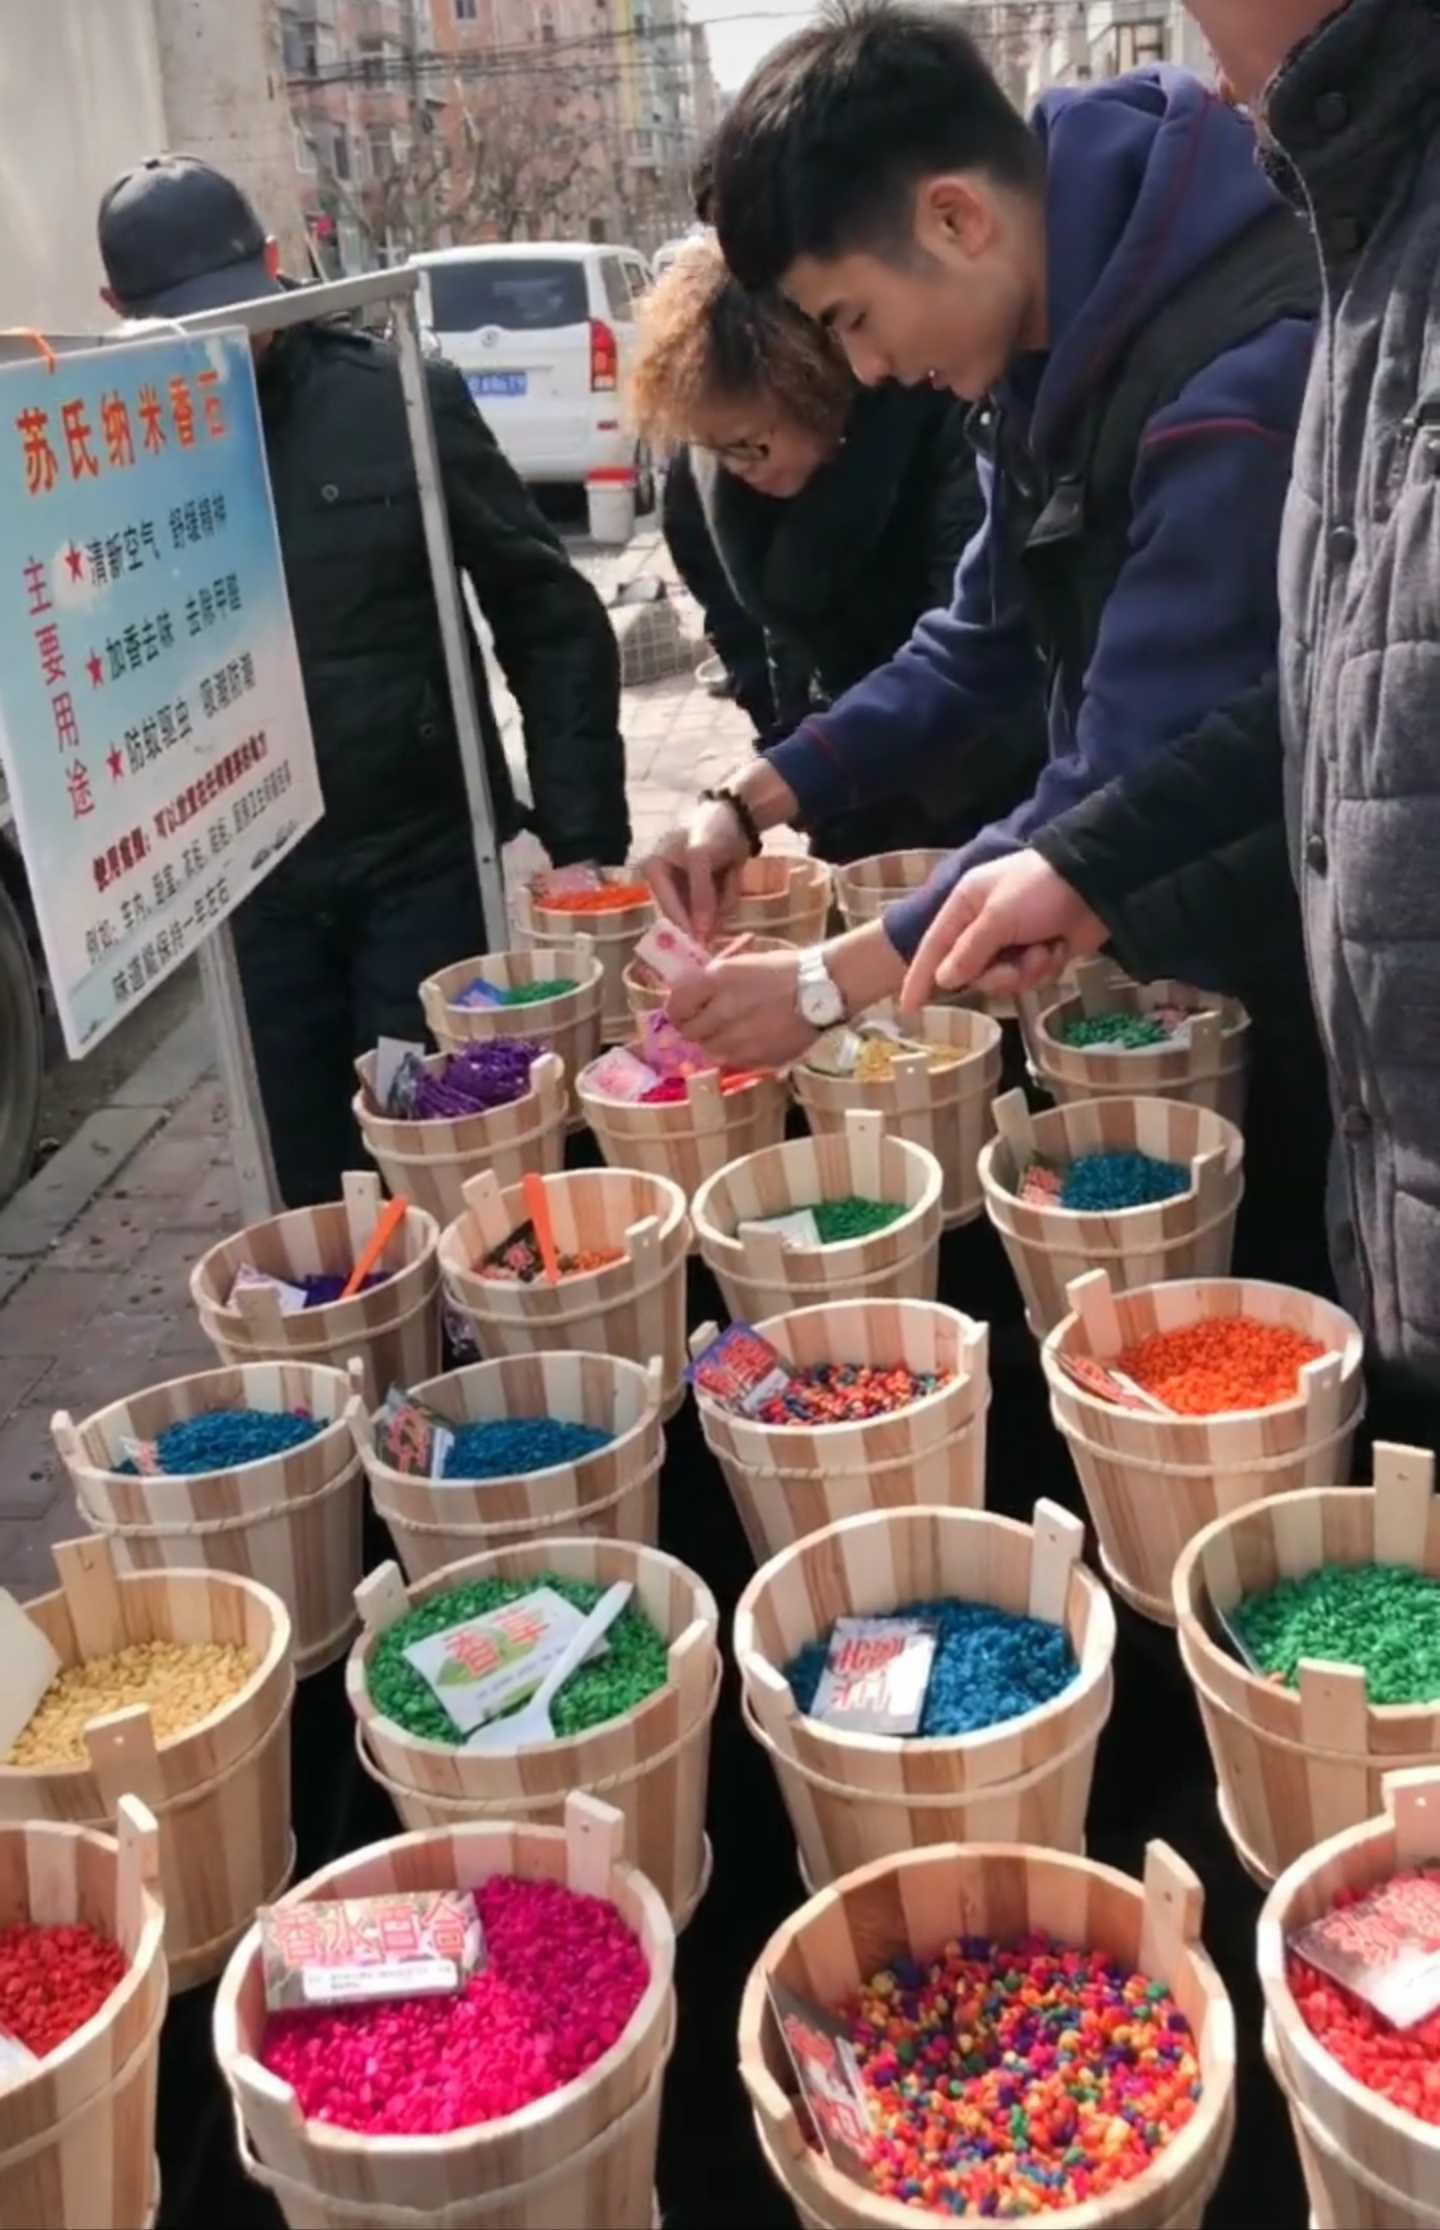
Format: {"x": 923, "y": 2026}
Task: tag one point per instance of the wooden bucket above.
{"x": 427, "y": 1163}
{"x": 77, "y": 2134}
{"x": 1208, "y": 1068}
{"x": 1153, "y": 1482}
{"x": 909, "y": 1906}
{"x": 394, "y": 1328}
{"x": 785, "y": 895}
{"x": 585, "y": 2154}
{"x": 787, "y": 1481}
{"x": 856, "y": 1797}
{"x": 633, "y": 1308}
{"x": 568, "y": 1024}
{"x": 614, "y": 1494}
{"x": 614, "y": 936}
{"x": 868, "y": 888}
{"x": 645, "y": 993}
{"x": 1295, "y": 1765}
{"x": 693, "y": 1138}
{"x": 291, "y": 1521}
{"x": 653, "y": 1763}
{"x": 1367, "y": 2162}
{"x": 947, "y": 1110}
{"x": 760, "y": 1276}
{"x": 221, "y": 1790}
{"x": 1191, "y": 1236}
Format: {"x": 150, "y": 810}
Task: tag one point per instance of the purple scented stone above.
{"x": 482, "y": 1076}
{"x": 324, "y": 1288}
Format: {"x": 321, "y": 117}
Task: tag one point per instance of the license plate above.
{"x": 499, "y": 383}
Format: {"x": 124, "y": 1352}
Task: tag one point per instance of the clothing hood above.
{"x": 1147, "y": 178}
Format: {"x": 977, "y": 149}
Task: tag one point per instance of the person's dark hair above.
{"x": 827, "y": 141}
{"x": 702, "y": 182}
{"x": 704, "y": 340}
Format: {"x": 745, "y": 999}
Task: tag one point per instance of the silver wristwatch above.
{"x": 817, "y": 994}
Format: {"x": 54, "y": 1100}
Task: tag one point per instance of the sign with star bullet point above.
{"x": 153, "y": 729}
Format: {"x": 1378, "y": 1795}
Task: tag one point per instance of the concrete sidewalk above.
{"x": 95, "y": 1252}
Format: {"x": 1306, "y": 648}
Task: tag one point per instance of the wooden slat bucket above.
{"x": 909, "y": 1906}
{"x": 290, "y": 1521}
{"x": 614, "y": 935}
{"x": 428, "y": 1162}
{"x": 1373, "y": 2163}
{"x": 787, "y": 1481}
{"x": 77, "y": 2134}
{"x": 653, "y": 1763}
{"x": 614, "y": 1494}
{"x": 1295, "y": 1765}
{"x": 585, "y": 2154}
{"x": 759, "y": 1275}
{"x": 945, "y": 1110}
{"x": 646, "y": 993}
{"x": 394, "y": 1328}
{"x": 1208, "y": 1066}
{"x": 1190, "y": 1236}
{"x": 1153, "y": 1482}
{"x": 634, "y": 1307}
{"x": 785, "y": 895}
{"x": 221, "y": 1789}
{"x": 690, "y": 1139}
{"x": 867, "y": 888}
{"x": 569, "y": 1023}
{"x": 855, "y": 1797}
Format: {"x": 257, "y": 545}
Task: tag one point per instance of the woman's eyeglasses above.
{"x": 737, "y": 452}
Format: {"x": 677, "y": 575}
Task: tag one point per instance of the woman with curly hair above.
{"x": 839, "y": 512}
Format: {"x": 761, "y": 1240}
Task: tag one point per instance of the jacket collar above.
{"x": 1346, "y": 108}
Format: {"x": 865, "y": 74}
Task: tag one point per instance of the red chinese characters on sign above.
{"x": 50, "y": 655}
{"x": 42, "y": 466}
{"x": 193, "y": 404}
{"x": 119, "y": 439}
{"x": 83, "y": 465}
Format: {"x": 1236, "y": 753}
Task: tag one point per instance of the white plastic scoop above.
{"x": 531, "y": 1723}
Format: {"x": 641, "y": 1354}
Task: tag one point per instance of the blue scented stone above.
{"x": 219, "y": 1439}
{"x": 989, "y": 1665}
{"x": 510, "y": 1447}
{"x": 1101, "y": 1183}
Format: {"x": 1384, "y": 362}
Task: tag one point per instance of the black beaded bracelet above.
{"x": 749, "y": 826}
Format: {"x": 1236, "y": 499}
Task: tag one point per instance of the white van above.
{"x": 544, "y": 331}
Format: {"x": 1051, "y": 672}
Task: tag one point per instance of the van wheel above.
{"x": 644, "y": 481}
{"x": 22, "y": 1055}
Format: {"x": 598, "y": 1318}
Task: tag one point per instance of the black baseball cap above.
{"x": 176, "y": 235}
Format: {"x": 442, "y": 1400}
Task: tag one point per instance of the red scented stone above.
{"x": 52, "y": 1980}
{"x": 563, "y": 1976}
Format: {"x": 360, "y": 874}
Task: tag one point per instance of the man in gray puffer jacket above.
{"x": 1350, "y": 100}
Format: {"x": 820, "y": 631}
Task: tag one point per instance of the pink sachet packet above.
{"x": 670, "y": 952}
{"x": 618, "y": 1075}
{"x": 668, "y": 1051}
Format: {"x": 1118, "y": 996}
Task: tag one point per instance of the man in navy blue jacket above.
{"x": 873, "y": 169}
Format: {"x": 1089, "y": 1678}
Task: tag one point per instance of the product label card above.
{"x": 667, "y": 1051}
{"x": 618, "y": 1075}
{"x": 876, "y": 1675}
{"x": 740, "y": 1370}
{"x": 836, "y": 1052}
{"x": 16, "y": 2061}
{"x": 410, "y": 1438}
{"x": 289, "y": 1298}
{"x": 830, "y": 2082}
{"x": 670, "y": 952}
{"x": 486, "y": 1665}
{"x": 409, "y": 1944}
{"x": 798, "y": 1229}
{"x": 479, "y": 994}
{"x": 1385, "y": 1947}
{"x": 1111, "y": 1385}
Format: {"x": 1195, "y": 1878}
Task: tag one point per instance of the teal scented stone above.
{"x": 854, "y": 1218}
{"x": 634, "y": 1667}
{"x": 1101, "y": 1183}
{"x": 1126, "y": 1032}
{"x": 1383, "y": 1617}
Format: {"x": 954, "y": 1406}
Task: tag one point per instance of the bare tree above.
{"x": 529, "y": 167}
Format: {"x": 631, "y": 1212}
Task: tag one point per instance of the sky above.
{"x": 742, "y": 31}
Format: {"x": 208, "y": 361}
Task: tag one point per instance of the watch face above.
{"x": 821, "y": 1002}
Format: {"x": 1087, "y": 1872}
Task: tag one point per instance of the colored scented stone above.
{"x": 218, "y": 1439}
{"x": 182, "y": 1682}
{"x": 1383, "y": 1617}
{"x": 1040, "y": 1186}
{"x": 562, "y": 1977}
{"x": 326, "y": 1287}
{"x": 853, "y": 1218}
{"x": 1403, "y": 2065}
{"x": 671, "y": 1090}
{"x": 875, "y": 1062}
{"x": 530, "y": 994}
{"x": 1221, "y": 1363}
{"x": 604, "y": 901}
{"x": 519, "y": 1259}
{"x": 53, "y": 1980}
{"x": 506, "y": 1447}
{"x": 989, "y": 1665}
{"x": 1099, "y": 1183}
{"x": 1011, "y": 2082}
{"x": 847, "y": 1393}
{"x": 635, "y": 1664}
{"x": 1119, "y": 1031}
{"x": 491, "y": 1073}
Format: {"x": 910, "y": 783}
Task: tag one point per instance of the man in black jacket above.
{"x": 384, "y": 891}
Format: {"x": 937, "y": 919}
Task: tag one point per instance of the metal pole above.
{"x": 249, "y": 1131}
{"x": 454, "y": 627}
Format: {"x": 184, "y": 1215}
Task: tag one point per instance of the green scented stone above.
{"x": 853, "y": 1218}
{"x": 1384, "y": 1618}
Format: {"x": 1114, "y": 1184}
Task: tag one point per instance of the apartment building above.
{"x": 1077, "y": 40}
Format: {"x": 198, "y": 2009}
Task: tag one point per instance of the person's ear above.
{"x": 953, "y": 215}
{"x": 272, "y": 256}
{"x": 107, "y": 296}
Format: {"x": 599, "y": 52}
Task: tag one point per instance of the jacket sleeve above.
{"x": 1193, "y": 618}
{"x": 552, "y": 636}
{"x": 957, "y": 506}
{"x": 961, "y": 666}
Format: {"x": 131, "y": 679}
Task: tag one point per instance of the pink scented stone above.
{"x": 563, "y": 1976}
